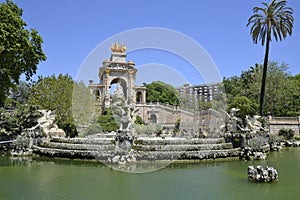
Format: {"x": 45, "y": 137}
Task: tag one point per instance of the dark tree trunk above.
{"x": 264, "y": 77}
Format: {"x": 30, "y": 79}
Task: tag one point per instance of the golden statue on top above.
{"x": 116, "y": 47}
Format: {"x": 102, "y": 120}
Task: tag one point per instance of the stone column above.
{"x": 107, "y": 91}
{"x": 144, "y": 97}
{"x": 130, "y": 86}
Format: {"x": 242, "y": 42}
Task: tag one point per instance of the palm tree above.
{"x": 274, "y": 19}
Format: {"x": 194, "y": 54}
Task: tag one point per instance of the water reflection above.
{"x": 136, "y": 167}
{"x": 48, "y": 178}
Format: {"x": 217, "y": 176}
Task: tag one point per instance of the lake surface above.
{"x": 45, "y": 178}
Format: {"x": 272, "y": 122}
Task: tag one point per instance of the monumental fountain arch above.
{"x": 117, "y": 70}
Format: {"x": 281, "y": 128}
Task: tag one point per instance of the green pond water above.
{"x": 44, "y": 178}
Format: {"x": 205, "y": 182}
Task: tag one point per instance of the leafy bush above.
{"x": 276, "y": 138}
{"x": 296, "y": 138}
{"x": 288, "y": 134}
{"x": 10, "y": 103}
{"x": 69, "y": 127}
{"x": 106, "y": 122}
{"x": 236, "y": 142}
{"x": 257, "y": 142}
{"x": 177, "y": 126}
{"x": 15, "y": 122}
{"x": 92, "y": 129}
{"x": 139, "y": 120}
{"x": 150, "y": 129}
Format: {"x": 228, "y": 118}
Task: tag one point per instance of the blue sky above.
{"x": 72, "y": 29}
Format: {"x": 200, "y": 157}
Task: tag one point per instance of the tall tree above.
{"x": 274, "y": 19}
{"x": 55, "y": 93}
{"x": 20, "y": 49}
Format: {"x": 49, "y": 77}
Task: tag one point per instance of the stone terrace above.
{"x": 144, "y": 148}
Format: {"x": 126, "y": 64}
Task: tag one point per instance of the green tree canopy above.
{"x": 20, "y": 92}
{"x": 55, "y": 93}
{"x": 292, "y": 106}
{"x": 20, "y": 49}
{"x": 246, "y": 106}
{"x": 158, "y": 91}
{"x": 282, "y": 89}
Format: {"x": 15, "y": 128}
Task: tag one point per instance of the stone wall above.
{"x": 277, "y": 123}
{"x": 168, "y": 115}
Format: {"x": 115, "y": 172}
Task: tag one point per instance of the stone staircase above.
{"x": 99, "y": 147}
{"x": 103, "y": 146}
{"x": 183, "y": 148}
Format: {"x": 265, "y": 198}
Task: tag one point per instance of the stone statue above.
{"x": 234, "y": 119}
{"x": 47, "y": 125}
{"x": 128, "y": 117}
{"x": 235, "y": 124}
{"x": 125, "y": 135}
{"x": 115, "y": 47}
{"x": 125, "y": 119}
{"x": 232, "y": 122}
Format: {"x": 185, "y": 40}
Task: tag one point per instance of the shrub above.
{"x": 276, "y": 138}
{"x": 107, "y": 123}
{"x": 177, "y": 126}
{"x": 150, "y": 129}
{"x": 92, "y": 129}
{"x": 288, "y": 134}
{"x": 236, "y": 142}
{"x": 296, "y": 138}
{"x": 69, "y": 127}
{"x": 139, "y": 120}
{"x": 257, "y": 142}
{"x": 15, "y": 122}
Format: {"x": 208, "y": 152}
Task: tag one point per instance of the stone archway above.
{"x": 96, "y": 93}
{"x": 139, "y": 97}
{"x": 153, "y": 119}
{"x": 123, "y": 85}
{"x": 140, "y": 94}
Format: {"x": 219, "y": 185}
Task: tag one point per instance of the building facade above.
{"x": 192, "y": 95}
